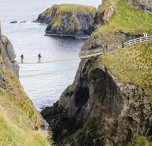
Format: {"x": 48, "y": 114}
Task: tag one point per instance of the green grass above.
{"x": 73, "y": 7}
{"x": 47, "y": 13}
{"x": 69, "y": 8}
{"x": 132, "y": 64}
{"x": 10, "y": 134}
{"x": 65, "y": 10}
{"x": 18, "y": 117}
{"x": 125, "y": 19}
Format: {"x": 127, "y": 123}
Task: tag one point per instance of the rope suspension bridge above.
{"x": 66, "y": 59}
{"x": 128, "y": 43}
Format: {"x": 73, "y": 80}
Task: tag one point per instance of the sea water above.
{"x": 43, "y": 83}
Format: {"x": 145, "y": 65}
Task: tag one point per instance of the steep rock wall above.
{"x": 8, "y": 55}
{"x": 69, "y": 20}
{"x": 98, "y": 110}
{"x": 48, "y": 15}
{"x": 104, "y": 13}
{"x": 142, "y": 5}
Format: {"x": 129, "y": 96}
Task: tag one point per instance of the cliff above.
{"x": 20, "y": 124}
{"x": 69, "y": 20}
{"x": 142, "y": 5}
{"x": 8, "y": 55}
{"x": 109, "y": 102}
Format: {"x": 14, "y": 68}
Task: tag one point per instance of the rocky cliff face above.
{"x": 48, "y": 15}
{"x": 8, "y": 55}
{"x": 69, "y": 20}
{"x": 142, "y": 5}
{"x": 104, "y": 14}
{"x": 98, "y": 110}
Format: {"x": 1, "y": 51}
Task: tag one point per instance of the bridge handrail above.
{"x": 137, "y": 40}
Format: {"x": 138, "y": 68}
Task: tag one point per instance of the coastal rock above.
{"x": 23, "y": 22}
{"x": 69, "y": 20}
{"x": 104, "y": 15}
{"x": 48, "y": 15}
{"x": 13, "y": 22}
{"x": 8, "y": 55}
{"x": 95, "y": 43}
{"x": 98, "y": 110}
{"x": 142, "y": 5}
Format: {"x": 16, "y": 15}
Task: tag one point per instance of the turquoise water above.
{"x": 43, "y": 83}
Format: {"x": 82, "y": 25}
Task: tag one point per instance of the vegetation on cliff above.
{"x": 74, "y": 7}
{"x": 18, "y": 117}
{"x": 69, "y": 8}
{"x": 69, "y": 19}
{"x": 125, "y": 19}
{"x": 132, "y": 64}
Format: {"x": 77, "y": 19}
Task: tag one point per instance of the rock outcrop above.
{"x": 8, "y": 55}
{"x": 142, "y": 5}
{"x": 104, "y": 14}
{"x": 69, "y": 20}
{"x": 98, "y": 110}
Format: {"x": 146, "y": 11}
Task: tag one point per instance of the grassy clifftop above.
{"x": 69, "y": 8}
{"x": 18, "y": 117}
{"x": 73, "y": 7}
{"x": 132, "y": 64}
{"x": 125, "y": 19}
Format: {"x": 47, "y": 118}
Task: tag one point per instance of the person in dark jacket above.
{"x": 123, "y": 45}
{"x": 39, "y": 58}
{"x": 22, "y": 57}
{"x": 106, "y": 48}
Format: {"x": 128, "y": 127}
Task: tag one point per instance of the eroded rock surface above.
{"x": 142, "y": 5}
{"x": 98, "y": 110}
{"x": 8, "y": 56}
{"x": 104, "y": 15}
{"x": 69, "y": 20}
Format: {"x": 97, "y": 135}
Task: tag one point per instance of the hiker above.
{"x": 106, "y": 48}
{"x": 22, "y": 57}
{"x": 145, "y": 34}
{"x": 123, "y": 44}
{"x": 39, "y": 57}
{"x": 103, "y": 48}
